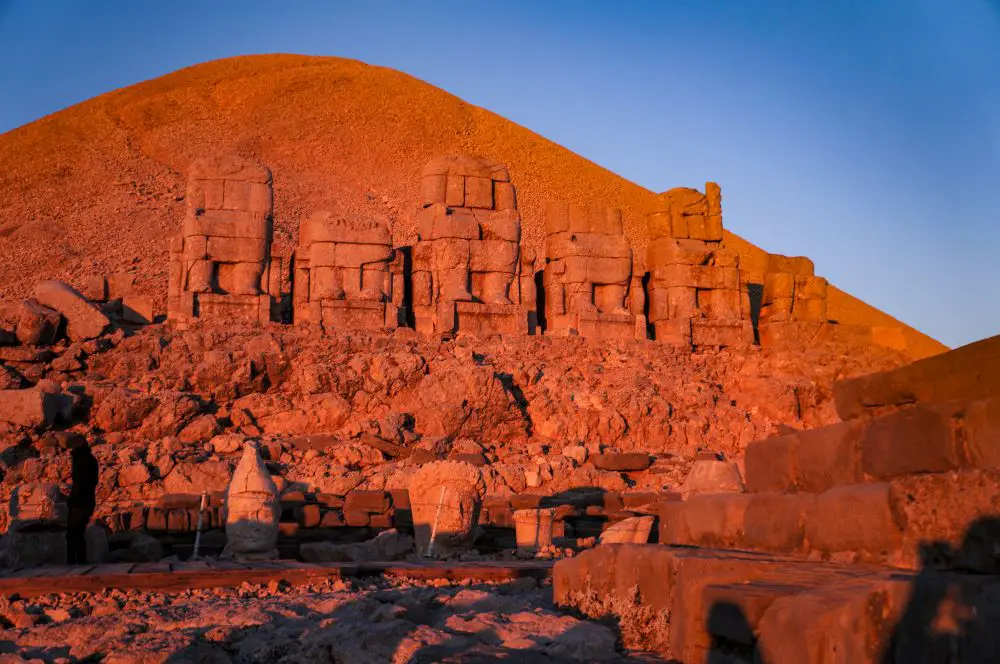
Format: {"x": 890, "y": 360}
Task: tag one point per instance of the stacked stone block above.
{"x": 920, "y": 465}
{"x": 696, "y": 294}
{"x": 588, "y": 274}
{"x": 792, "y": 291}
{"x": 467, "y": 263}
{"x": 221, "y": 263}
{"x": 346, "y": 273}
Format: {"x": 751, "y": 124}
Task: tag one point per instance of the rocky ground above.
{"x": 166, "y": 410}
{"x": 337, "y": 621}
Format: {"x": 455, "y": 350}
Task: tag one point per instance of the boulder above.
{"x": 29, "y": 408}
{"x": 83, "y": 320}
{"x": 33, "y": 323}
{"x": 445, "y": 499}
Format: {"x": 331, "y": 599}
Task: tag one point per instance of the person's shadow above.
{"x": 952, "y": 613}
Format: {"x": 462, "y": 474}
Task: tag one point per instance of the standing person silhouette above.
{"x": 81, "y": 503}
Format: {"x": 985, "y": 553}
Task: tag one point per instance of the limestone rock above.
{"x": 33, "y": 323}
{"x": 29, "y": 408}
{"x": 634, "y": 530}
{"x": 83, "y": 320}
{"x": 712, "y": 476}
{"x": 252, "y": 509}
{"x": 387, "y": 545}
{"x": 445, "y": 499}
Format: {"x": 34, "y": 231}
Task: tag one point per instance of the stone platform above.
{"x": 178, "y": 576}
{"x": 727, "y": 607}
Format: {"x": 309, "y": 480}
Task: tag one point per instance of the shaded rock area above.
{"x": 371, "y": 622}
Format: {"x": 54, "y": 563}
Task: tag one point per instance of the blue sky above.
{"x": 863, "y": 134}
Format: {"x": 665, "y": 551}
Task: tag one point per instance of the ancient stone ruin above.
{"x": 467, "y": 271}
{"x": 696, "y": 295}
{"x": 252, "y": 509}
{"x": 346, "y": 273}
{"x": 445, "y": 499}
{"x": 589, "y": 287}
{"x": 221, "y": 265}
{"x": 37, "y": 535}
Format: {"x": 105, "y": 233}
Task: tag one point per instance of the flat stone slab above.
{"x": 175, "y": 577}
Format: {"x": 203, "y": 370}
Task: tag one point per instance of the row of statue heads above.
{"x": 467, "y": 271}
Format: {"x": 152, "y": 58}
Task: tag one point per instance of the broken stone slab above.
{"x": 712, "y": 476}
{"x": 534, "y": 529}
{"x": 84, "y": 320}
{"x": 138, "y": 309}
{"x": 29, "y": 408}
{"x": 387, "y": 545}
{"x": 33, "y": 323}
{"x": 634, "y": 530}
{"x": 622, "y": 461}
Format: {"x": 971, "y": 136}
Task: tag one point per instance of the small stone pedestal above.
{"x": 533, "y": 529}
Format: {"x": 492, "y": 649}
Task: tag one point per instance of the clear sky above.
{"x": 864, "y": 134}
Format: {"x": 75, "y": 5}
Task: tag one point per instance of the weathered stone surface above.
{"x": 29, "y": 408}
{"x": 138, "y": 309}
{"x": 252, "y": 509}
{"x": 221, "y": 264}
{"x": 634, "y": 530}
{"x": 445, "y": 498}
{"x": 83, "y": 320}
{"x": 534, "y": 528}
{"x": 712, "y": 476}
{"x": 387, "y": 545}
{"x": 466, "y": 264}
{"x": 343, "y": 273}
{"x": 622, "y": 461}
{"x": 968, "y": 373}
{"x": 588, "y": 273}
{"x": 854, "y": 518}
{"x": 33, "y": 323}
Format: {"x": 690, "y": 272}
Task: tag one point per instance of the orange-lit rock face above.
{"x": 588, "y": 273}
{"x": 221, "y": 261}
{"x": 697, "y": 294}
{"x": 345, "y": 273}
{"x": 467, "y": 259}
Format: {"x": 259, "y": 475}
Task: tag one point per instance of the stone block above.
{"x": 676, "y": 332}
{"x": 479, "y": 192}
{"x": 778, "y": 286}
{"x": 622, "y": 461}
{"x": 829, "y": 456}
{"x": 84, "y": 320}
{"x": 982, "y": 433}
{"x": 735, "y": 333}
{"x": 968, "y": 373}
{"x": 795, "y": 265}
{"x": 356, "y": 519}
{"x": 634, "y": 530}
{"x": 237, "y": 249}
{"x": 721, "y": 304}
{"x": 856, "y": 517}
{"x": 839, "y": 623}
{"x": 914, "y": 440}
{"x": 356, "y": 255}
{"x": 776, "y": 521}
{"x": 506, "y": 197}
{"x": 138, "y": 309}
{"x": 29, "y": 408}
{"x": 226, "y": 223}
{"x": 433, "y": 189}
{"x": 499, "y": 225}
{"x": 332, "y": 519}
{"x": 695, "y": 276}
{"x": 95, "y": 288}
{"x": 672, "y": 251}
{"x": 455, "y": 191}
{"x": 372, "y": 502}
{"x": 33, "y": 323}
